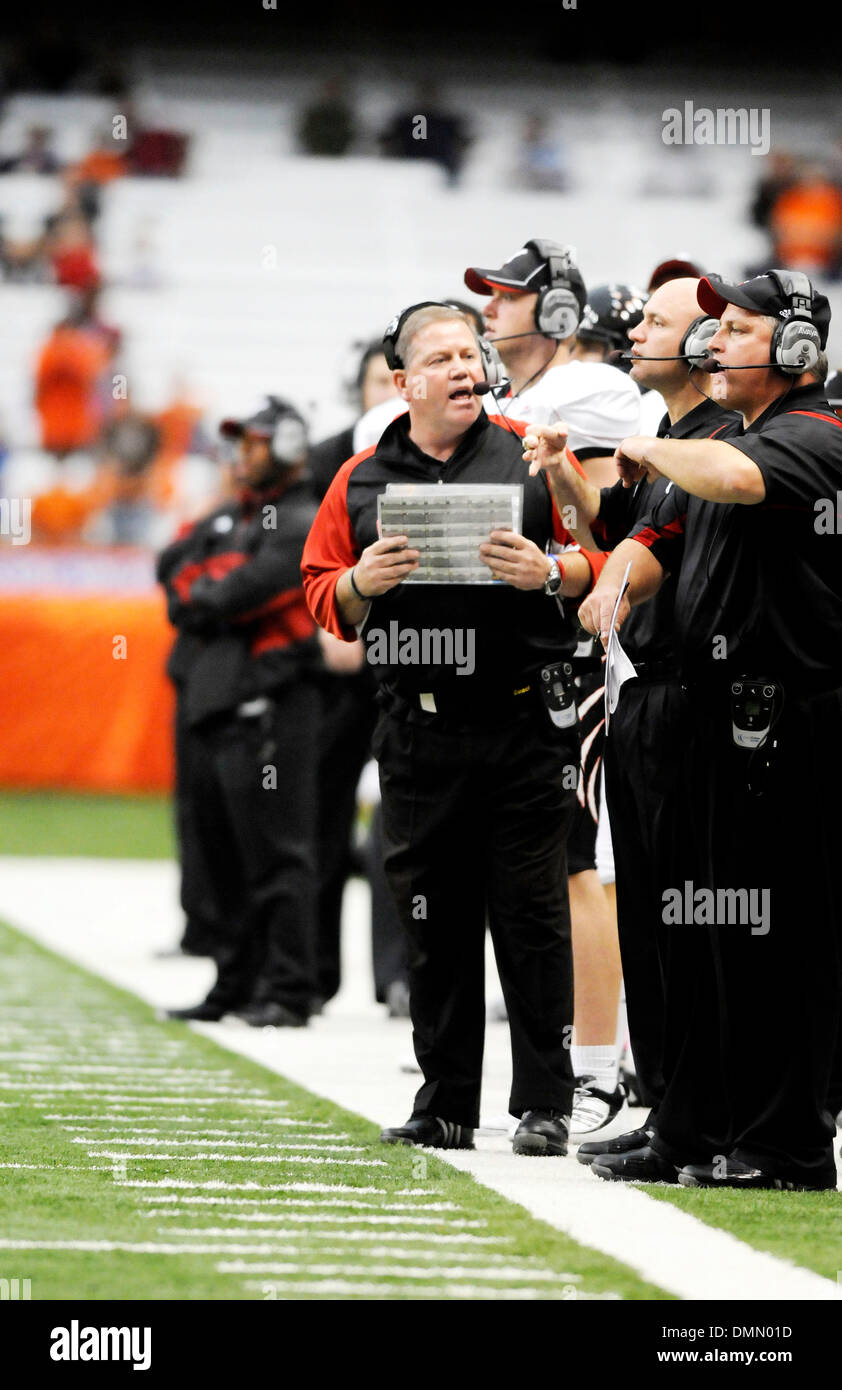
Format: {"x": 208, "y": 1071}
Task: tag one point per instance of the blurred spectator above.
{"x": 781, "y": 172}
{"x": 129, "y": 443}
{"x": 674, "y": 268}
{"x": 427, "y": 131}
{"x": 805, "y": 223}
{"x": 540, "y": 161}
{"x": 72, "y": 254}
{"x": 36, "y": 157}
{"x": 328, "y": 126}
{"x": 104, "y": 162}
{"x": 68, "y": 387}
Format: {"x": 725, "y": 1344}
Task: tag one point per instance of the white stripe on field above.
{"x": 399, "y": 1237}
{"x": 174, "y": 1143}
{"x": 178, "y": 1200}
{"x": 115, "y": 1117}
{"x": 508, "y": 1272}
{"x": 216, "y": 1184}
{"x": 243, "y": 1158}
{"x": 319, "y": 1218}
{"x": 372, "y": 1289}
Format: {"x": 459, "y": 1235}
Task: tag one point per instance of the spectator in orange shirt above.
{"x": 806, "y": 224}
{"x": 67, "y": 379}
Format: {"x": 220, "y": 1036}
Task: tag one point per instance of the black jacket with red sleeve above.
{"x": 233, "y": 587}
{"x": 514, "y": 631}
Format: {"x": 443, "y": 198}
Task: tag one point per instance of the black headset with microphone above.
{"x": 492, "y": 365}
{"x": 796, "y": 342}
{"x": 561, "y": 303}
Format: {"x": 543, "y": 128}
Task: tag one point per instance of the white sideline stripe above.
{"x": 226, "y": 1095}
{"x": 225, "y": 1143}
{"x": 216, "y": 1184}
{"x": 173, "y": 1074}
{"x": 373, "y": 1289}
{"x": 242, "y": 1158}
{"x": 178, "y": 1200}
{"x": 51, "y": 1167}
{"x": 485, "y": 1258}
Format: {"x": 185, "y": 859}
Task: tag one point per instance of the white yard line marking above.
{"x": 179, "y": 1200}
{"x": 216, "y": 1184}
{"x": 328, "y": 1219}
{"x": 508, "y": 1272}
{"x": 228, "y": 1143}
{"x": 112, "y": 1117}
{"x": 241, "y": 1158}
{"x": 378, "y": 1289}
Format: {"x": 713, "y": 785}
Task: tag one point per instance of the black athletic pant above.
{"x": 752, "y": 1014}
{"x": 204, "y": 927}
{"x": 475, "y": 822}
{"x": 388, "y": 940}
{"x": 255, "y": 811}
{"x": 643, "y": 777}
{"x": 348, "y": 718}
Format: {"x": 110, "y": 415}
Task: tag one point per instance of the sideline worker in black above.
{"x": 478, "y": 781}
{"x": 250, "y": 719}
{"x": 755, "y": 980}
{"x": 643, "y": 751}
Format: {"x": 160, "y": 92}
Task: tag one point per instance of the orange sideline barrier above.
{"x": 71, "y": 713}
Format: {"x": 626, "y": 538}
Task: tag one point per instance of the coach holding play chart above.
{"x": 478, "y": 772}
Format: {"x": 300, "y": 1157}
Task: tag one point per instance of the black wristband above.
{"x": 363, "y": 597}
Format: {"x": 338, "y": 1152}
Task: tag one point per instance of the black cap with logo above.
{"x": 764, "y": 294}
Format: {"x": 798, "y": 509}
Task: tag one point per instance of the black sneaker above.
{"x": 638, "y": 1165}
{"x": 624, "y": 1143}
{"x": 269, "y": 1014}
{"x": 431, "y": 1132}
{"x": 542, "y": 1133}
{"x": 733, "y": 1172}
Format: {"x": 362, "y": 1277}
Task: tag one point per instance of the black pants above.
{"x": 388, "y": 939}
{"x": 255, "y": 812}
{"x": 643, "y": 781}
{"x": 475, "y": 822}
{"x": 348, "y": 718}
{"x": 752, "y": 1013}
{"x": 204, "y": 927}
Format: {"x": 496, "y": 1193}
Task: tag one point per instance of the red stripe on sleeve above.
{"x": 331, "y": 548}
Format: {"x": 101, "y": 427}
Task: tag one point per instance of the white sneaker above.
{"x": 594, "y": 1110}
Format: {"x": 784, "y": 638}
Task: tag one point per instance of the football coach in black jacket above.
{"x": 478, "y": 781}
{"x": 249, "y": 712}
{"x": 750, "y": 529}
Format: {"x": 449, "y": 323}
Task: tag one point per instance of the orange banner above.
{"x": 84, "y": 700}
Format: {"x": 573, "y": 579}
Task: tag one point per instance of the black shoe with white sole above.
{"x": 542, "y": 1133}
{"x": 623, "y": 1144}
{"x": 431, "y": 1132}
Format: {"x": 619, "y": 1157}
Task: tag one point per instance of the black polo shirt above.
{"x": 759, "y": 586}
{"x": 648, "y": 631}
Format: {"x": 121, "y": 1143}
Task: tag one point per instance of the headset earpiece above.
{"x": 492, "y": 363}
{"x": 694, "y": 344}
{"x": 289, "y": 440}
{"x": 796, "y": 341}
{"x": 560, "y": 305}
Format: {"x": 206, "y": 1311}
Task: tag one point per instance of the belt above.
{"x": 656, "y": 670}
{"x": 440, "y": 711}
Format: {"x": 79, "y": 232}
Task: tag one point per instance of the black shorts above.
{"x": 590, "y": 699}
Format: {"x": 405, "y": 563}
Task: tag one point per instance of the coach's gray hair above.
{"x": 431, "y": 313}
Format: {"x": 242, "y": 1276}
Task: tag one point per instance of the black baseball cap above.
{"x": 263, "y": 423}
{"x": 527, "y": 271}
{"x": 762, "y": 295}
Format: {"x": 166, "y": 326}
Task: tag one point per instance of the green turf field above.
{"x": 110, "y": 827}
{"x": 141, "y": 1161}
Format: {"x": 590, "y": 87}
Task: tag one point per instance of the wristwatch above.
{"x": 552, "y": 583}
